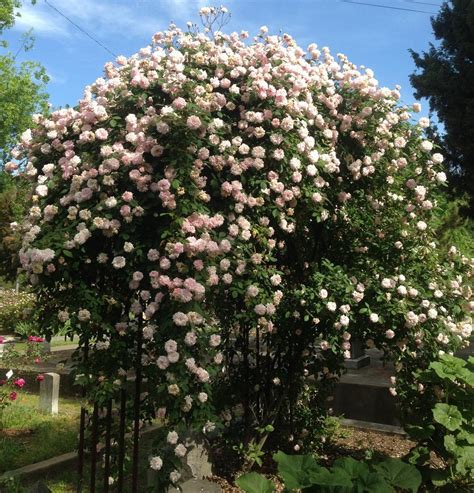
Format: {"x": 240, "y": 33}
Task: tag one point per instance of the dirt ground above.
{"x": 354, "y": 442}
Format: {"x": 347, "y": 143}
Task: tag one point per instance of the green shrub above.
{"x": 14, "y": 308}
{"x": 441, "y": 419}
{"x": 303, "y": 473}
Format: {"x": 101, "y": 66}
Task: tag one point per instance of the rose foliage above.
{"x": 242, "y": 209}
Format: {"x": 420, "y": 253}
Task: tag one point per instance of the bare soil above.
{"x": 353, "y": 442}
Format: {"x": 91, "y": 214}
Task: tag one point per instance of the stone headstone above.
{"x": 196, "y": 461}
{"x": 46, "y": 346}
{"x": 39, "y": 487}
{"x": 358, "y": 357}
{"x": 49, "y": 393}
{"x": 196, "y": 486}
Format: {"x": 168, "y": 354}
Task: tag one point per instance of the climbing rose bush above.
{"x": 243, "y": 208}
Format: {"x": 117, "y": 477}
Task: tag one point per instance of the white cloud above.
{"x": 184, "y": 10}
{"x": 100, "y": 18}
{"x": 56, "y": 78}
{"x": 107, "y": 19}
{"x": 41, "y": 23}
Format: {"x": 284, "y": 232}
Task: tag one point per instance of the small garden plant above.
{"x": 441, "y": 420}
{"x": 301, "y": 473}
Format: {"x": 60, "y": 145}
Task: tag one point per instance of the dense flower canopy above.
{"x": 210, "y": 191}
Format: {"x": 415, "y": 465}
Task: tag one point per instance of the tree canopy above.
{"x": 21, "y": 94}
{"x": 21, "y": 85}
{"x": 445, "y": 77}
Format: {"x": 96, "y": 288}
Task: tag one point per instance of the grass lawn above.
{"x": 55, "y": 342}
{"x": 65, "y": 481}
{"x": 28, "y": 436}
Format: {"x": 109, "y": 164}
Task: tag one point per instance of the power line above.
{"x": 387, "y": 7}
{"x": 81, "y": 29}
{"x": 424, "y": 3}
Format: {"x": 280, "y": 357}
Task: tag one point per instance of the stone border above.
{"x": 368, "y": 425}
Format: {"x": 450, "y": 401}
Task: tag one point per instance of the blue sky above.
{"x": 375, "y": 37}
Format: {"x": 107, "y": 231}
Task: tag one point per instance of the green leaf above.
{"x": 372, "y": 482}
{"x": 465, "y": 461}
{"x": 297, "y": 471}
{"x": 467, "y": 376}
{"x": 353, "y": 468}
{"x": 450, "y": 444}
{"x": 439, "y": 477}
{"x": 419, "y": 455}
{"x": 400, "y": 474}
{"x": 466, "y": 435}
{"x": 420, "y": 432}
{"x": 448, "y": 416}
{"x": 334, "y": 478}
{"x": 255, "y": 483}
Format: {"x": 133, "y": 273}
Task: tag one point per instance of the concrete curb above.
{"x": 40, "y": 469}
{"x": 367, "y": 425}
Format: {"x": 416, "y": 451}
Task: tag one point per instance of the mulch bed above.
{"x": 353, "y": 442}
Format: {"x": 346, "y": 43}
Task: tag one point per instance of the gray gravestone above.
{"x": 358, "y": 357}
{"x": 49, "y": 393}
{"x": 46, "y": 346}
{"x": 197, "y": 459}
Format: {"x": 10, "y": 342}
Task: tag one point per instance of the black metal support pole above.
{"x": 257, "y": 371}
{"x": 136, "y": 417}
{"x": 94, "y": 442}
{"x": 80, "y": 458}
{"x": 82, "y": 431}
{"x": 121, "y": 439}
{"x": 245, "y": 352}
{"x": 108, "y": 427}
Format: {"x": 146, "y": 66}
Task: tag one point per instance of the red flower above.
{"x": 35, "y": 339}
{"x": 2, "y": 340}
{"x": 19, "y": 382}
{"x": 3, "y": 382}
{"x": 13, "y": 396}
{"x": 40, "y": 378}
{"x": 37, "y": 360}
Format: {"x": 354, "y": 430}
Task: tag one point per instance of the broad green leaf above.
{"x": 466, "y": 376}
{"x": 255, "y": 483}
{"x": 450, "y": 444}
{"x": 448, "y": 367}
{"x": 419, "y": 432}
{"x": 439, "y": 477}
{"x": 335, "y": 477}
{"x": 448, "y": 416}
{"x": 297, "y": 471}
{"x": 465, "y": 461}
{"x": 353, "y": 468}
{"x": 419, "y": 455}
{"x": 372, "y": 482}
{"x": 466, "y": 435}
{"x": 400, "y": 474}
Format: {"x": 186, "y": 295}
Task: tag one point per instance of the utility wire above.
{"x": 387, "y": 7}
{"x": 81, "y": 29}
{"x": 424, "y": 3}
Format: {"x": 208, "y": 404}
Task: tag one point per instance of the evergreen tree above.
{"x": 445, "y": 76}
